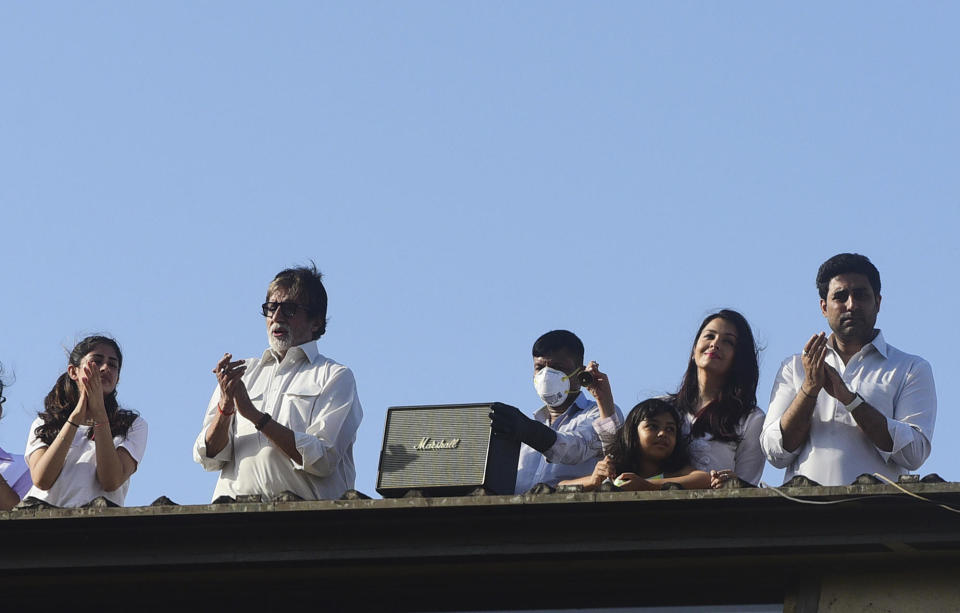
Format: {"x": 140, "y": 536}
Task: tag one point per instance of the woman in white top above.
{"x": 718, "y": 399}
{"x": 83, "y": 445}
{"x": 14, "y": 480}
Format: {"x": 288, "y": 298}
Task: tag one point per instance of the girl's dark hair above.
{"x": 626, "y": 451}
{"x": 738, "y": 397}
{"x": 65, "y": 394}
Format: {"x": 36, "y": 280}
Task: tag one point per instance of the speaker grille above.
{"x": 435, "y": 446}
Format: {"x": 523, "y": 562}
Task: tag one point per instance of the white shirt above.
{"x": 897, "y": 384}
{"x": 745, "y": 458}
{"x": 14, "y": 470}
{"x": 78, "y": 484}
{"x": 706, "y": 453}
{"x": 309, "y": 394}
{"x": 573, "y": 455}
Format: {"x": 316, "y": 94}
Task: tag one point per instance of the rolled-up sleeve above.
{"x": 333, "y": 428}
{"x": 580, "y": 443}
{"x": 771, "y": 438}
{"x": 914, "y": 416}
{"x": 200, "y": 445}
{"x": 606, "y": 429}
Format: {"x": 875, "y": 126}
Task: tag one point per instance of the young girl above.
{"x": 83, "y": 445}
{"x": 646, "y": 453}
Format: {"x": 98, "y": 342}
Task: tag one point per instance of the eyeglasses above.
{"x": 289, "y": 309}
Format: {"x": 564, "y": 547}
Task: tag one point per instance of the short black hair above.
{"x": 559, "y": 340}
{"x": 844, "y": 263}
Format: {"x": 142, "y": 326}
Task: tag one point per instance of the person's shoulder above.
{"x": 756, "y": 415}
{"x": 790, "y": 363}
{"x": 330, "y": 365}
{"x": 326, "y": 371}
{"x": 898, "y": 356}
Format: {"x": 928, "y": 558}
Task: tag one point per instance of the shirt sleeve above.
{"x": 135, "y": 442}
{"x": 578, "y": 444}
{"x": 606, "y": 429}
{"x": 748, "y": 461}
{"x": 200, "y": 445}
{"x": 771, "y": 438}
{"x": 23, "y": 484}
{"x": 914, "y": 416}
{"x": 33, "y": 441}
{"x": 333, "y": 429}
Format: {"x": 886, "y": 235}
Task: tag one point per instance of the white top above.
{"x": 308, "y": 393}
{"x": 573, "y": 455}
{"x": 745, "y": 458}
{"x": 77, "y": 484}
{"x": 15, "y": 472}
{"x": 897, "y": 384}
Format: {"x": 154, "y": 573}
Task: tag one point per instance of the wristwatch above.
{"x": 857, "y": 401}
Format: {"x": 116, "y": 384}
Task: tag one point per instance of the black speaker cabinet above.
{"x": 445, "y": 450}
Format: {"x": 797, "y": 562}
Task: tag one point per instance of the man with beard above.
{"x": 285, "y": 422}
{"x": 850, "y": 403}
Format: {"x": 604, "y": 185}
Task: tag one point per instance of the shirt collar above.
{"x": 879, "y": 344}
{"x": 308, "y": 350}
{"x": 581, "y": 403}
{"x": 4, "y": 456}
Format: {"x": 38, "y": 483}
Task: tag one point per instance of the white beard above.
{"x": 280, "y": 346}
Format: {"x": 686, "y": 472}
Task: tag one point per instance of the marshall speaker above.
{"x": 445, "y": 450}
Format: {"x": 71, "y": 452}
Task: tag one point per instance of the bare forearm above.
{"x": 874, "y": 425}
{"x": 8, "y": 497}
{"x": 46, "y": 463}
{"x": 218, "y": 434}
{"x": 589, "y": 483}
{"x": 795, "y": 421}
{"x": 694, "y": 480}
{"x": 109, "y": 468}
{"x": 606, "y": 405}
{"x": 279, "y": 435}
{"x": 283, "y": 437}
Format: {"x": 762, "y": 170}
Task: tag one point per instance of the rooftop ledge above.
{"x": 866, "y": 488}
{"x": 452, "y": 553}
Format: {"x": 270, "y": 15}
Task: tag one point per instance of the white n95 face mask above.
{"x": 552, "y": 385}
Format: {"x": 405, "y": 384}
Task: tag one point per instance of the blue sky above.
{"x": 468, "y": 176}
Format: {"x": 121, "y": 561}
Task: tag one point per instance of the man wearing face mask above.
{"x": 559, "y": 442}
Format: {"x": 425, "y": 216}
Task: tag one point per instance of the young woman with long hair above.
{"x": 718, "y": 400}
{"x": 83, "y": 445}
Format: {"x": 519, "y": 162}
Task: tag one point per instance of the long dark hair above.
{"x": 65, "y": 394}
{"x": 3, "y": 384}
{"x": 738, "y": 397}
{"x": 626, "y": 451}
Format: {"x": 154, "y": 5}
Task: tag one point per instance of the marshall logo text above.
{"x": 429, "y": 444}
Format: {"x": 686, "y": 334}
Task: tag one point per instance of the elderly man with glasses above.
{"x": 284, "y": 423}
